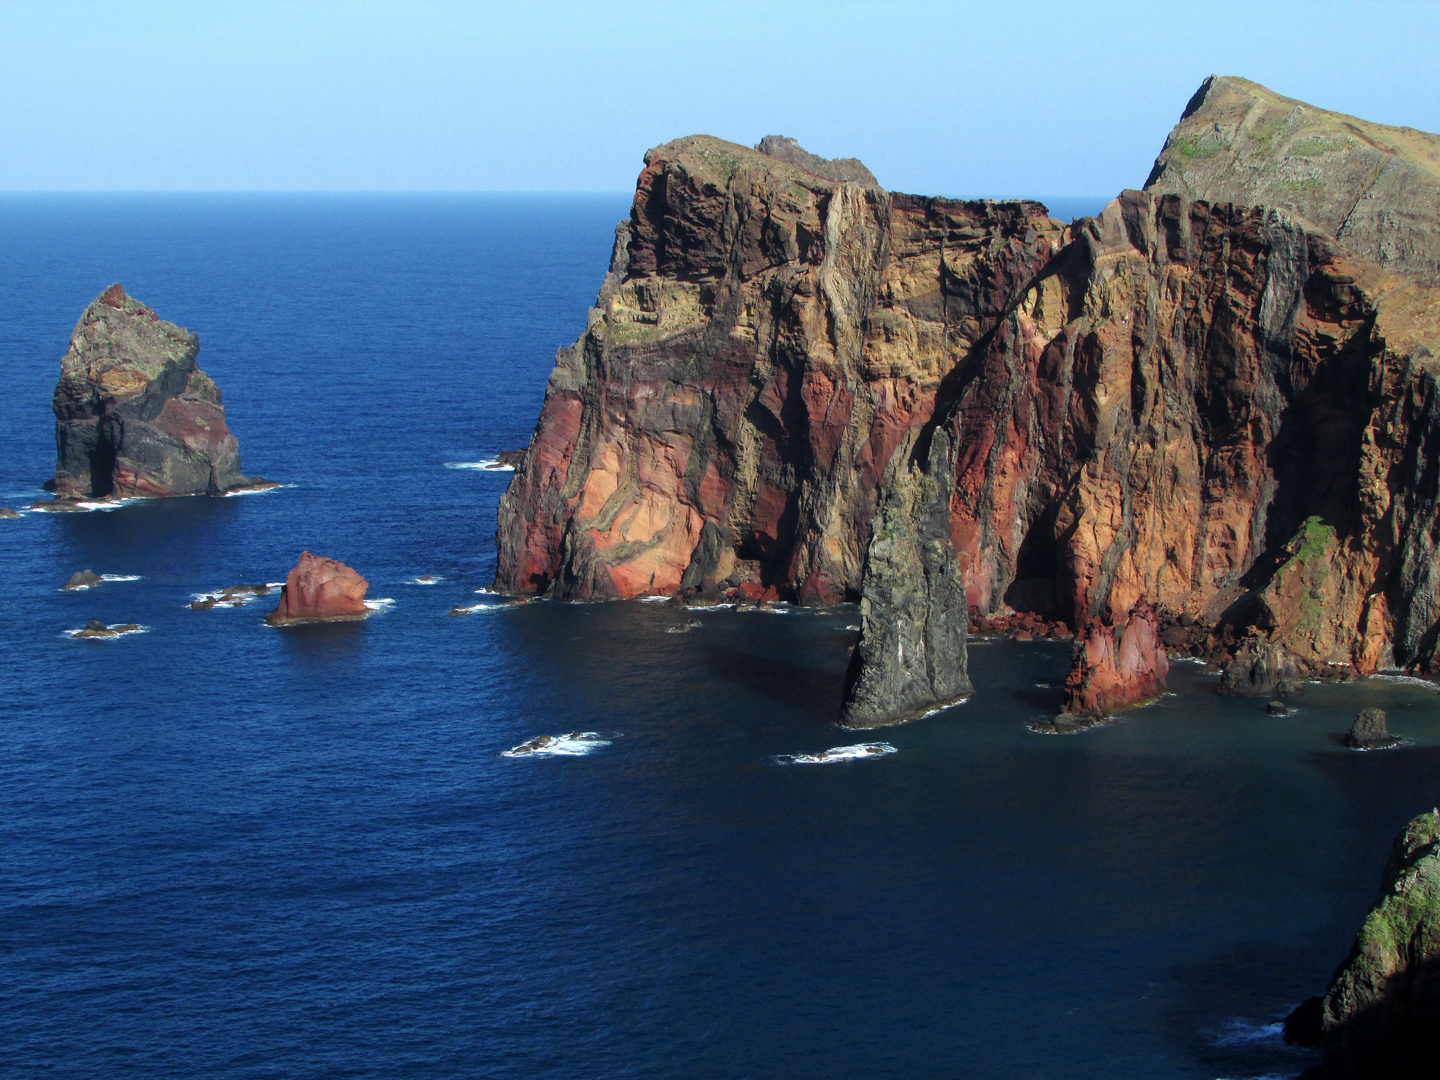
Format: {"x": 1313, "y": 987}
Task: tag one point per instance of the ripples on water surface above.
{"x": 232, "y": 851}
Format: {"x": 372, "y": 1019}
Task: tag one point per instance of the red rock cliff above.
{"x": 1205, "y": 405}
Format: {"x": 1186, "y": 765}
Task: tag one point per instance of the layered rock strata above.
{"x": 1114, "y": 668}
{"x": 1380, "y": 1016}
{"x": 1375, "y": 188}
{"x": 1208, "y": 405}
{"x": 320, "y": 590}
{"x": 134, "y": 416}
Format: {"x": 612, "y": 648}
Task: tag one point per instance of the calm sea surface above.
{"x": 228, "y": 851}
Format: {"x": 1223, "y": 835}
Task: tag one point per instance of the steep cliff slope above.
{"x": 763, "y": 342}
{"x": 1375, "y": 188}
{"x": 134, "y": 416}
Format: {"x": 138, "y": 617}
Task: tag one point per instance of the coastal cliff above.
{"x": 134, "y": 415}
{"x": 1208, "y": 405}
{"x": 764, "y": 341}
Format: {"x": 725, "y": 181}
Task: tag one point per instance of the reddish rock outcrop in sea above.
{"x": 320, "y": 590}
{"x": 134, "y": 416}
{"x": 1113, "y": 668}
{"x": 1205, "y": 404}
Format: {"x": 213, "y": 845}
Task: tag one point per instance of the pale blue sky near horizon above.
{"x": 1029, "y": 98}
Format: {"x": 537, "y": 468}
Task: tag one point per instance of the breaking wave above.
{"x": 254, "y": 491}
{"x": 483, "y": 465}
{"x": 1406, "y": 680}
{"x": 856, "y": 752}
{"x": 425, "y": 579}
{"x": 119, "y": 577}
{"x": 383, "y": 603}
{"x": 1237, "y": 1031}
{"x": 571, "y": 744}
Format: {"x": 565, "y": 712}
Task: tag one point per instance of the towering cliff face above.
{"x": 134, "y": 416}
{"x": 1375, "y": 188}
{"x": 766, "y": 338}
{"x": 1206, "y": 405}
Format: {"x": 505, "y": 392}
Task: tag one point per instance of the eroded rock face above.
{"x": 1113, "y": 668}
{"x": 134, "y": 416}
{"x": 1380, "y": 1016}
{"x": 1208, "y": 405}
{"x": 792, "y": 153}
{"x": 1375, "y": 188}
{"x": 911, "y": 657}
{"x": 320, "y": 590}
{"x": 764, "y": 342}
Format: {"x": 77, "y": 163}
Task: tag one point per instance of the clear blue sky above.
{"x": 1007, "y": 98}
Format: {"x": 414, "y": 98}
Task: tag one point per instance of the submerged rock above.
{"x": 97, "y": 629}
{"x": 1369, "y": 732}
{"x": 911, "y": 656}
{"x": 1380, "y": 1016}
{"x": 82, "y": 579}
{"x": 134, "y": 416}
{"x": 1106, "y": 675}
{"x": 320, "y": 590}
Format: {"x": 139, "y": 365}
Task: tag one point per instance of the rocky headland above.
{"x": 1209, "y": 403}
{"x": 1379, "y": 1019}
{"x": 320, "y": 590}
{"x": 134, "y": 416}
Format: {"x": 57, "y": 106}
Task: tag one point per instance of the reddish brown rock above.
{"x": 1107, "y": 675}
{"x": 134, "y": 416}
{"x": 320, "y": 590}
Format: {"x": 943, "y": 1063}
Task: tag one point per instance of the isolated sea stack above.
{"x": 134, "y": 416}
{"x": 1210, "y": 403}
{"x": 320, "y": 590}
{"x": 1115, "y": 667}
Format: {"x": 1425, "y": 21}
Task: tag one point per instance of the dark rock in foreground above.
{"x": 1277, "y": 708}
{"x": 1261, "y": 669}
{"x": 911, "y": 656}
{"x": 82, "y": 579}
{"x": 320, "y": 590}
{"x": 1369, "y": 732}
{"x": 134, "y": 416}
{"x": 1380, "y": 1016}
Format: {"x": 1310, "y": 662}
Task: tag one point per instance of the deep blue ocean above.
{"x": 228, "y": 851}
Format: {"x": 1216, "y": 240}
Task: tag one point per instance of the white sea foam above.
{"x": 483, "y": 465}
{"x": 425, "y": 579}
{"x": 254, "y": 491}
{"x": 942, "y": 708}
{"x": 381, "y": 603}
{"x": 856, "y": 752}
{"x": 571, "y": 744}
{"x": 75, "y": 634}
{"x": 119, "y": 577}
{"x": 652, "y": 599}
{"x": 482, "y": 591}
{"x": 108, "y": 505}
{"x": 1407, "y": 680}
{"x": 1238, "y": 1031}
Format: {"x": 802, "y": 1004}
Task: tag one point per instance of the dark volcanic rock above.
{"x": 1107, "y": 675}
{"x": 134, "y": 416}
{"x": 1261, "y": 669}
{"x": 791, "y": 152}
{"x": 509, "y": 457}
{"x": 82, "y": 579}
{"x": 1277, "y": 708}
{"x": 911, "y": 655}
{"x": 1381, "y": 1012}
{"x": 320, "y": 590}
{"x": 1375, "y": 188}
{"x": 97, "y": 629}
{"x": 1369, "y": 732}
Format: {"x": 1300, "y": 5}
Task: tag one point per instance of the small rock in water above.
{"x": 84, "y": 579}
{"x": 1369, "y": 731}
{"x": 1278, "y": 708}
{"x": 6, "y": 512}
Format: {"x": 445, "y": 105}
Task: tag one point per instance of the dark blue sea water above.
{"x": 228, "y": 851}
